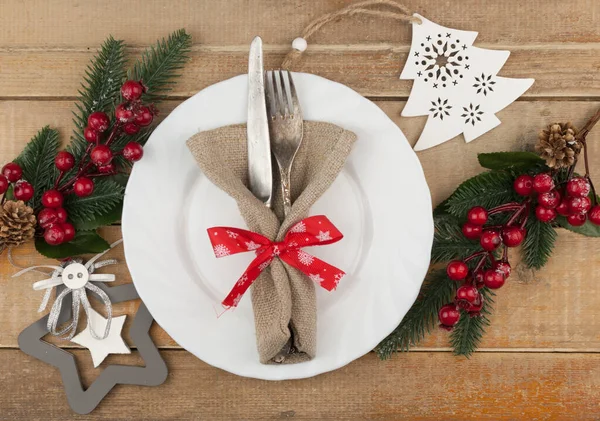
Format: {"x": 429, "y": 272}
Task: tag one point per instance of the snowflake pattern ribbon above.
{"x": 312, "y": 231}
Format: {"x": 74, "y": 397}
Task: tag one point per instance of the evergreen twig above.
{"x": 466, "y": 335}
{"x": 437, "y": 290}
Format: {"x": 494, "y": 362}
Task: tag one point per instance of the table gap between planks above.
{"x": 540, "y": 358}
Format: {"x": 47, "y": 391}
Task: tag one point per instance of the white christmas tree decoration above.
{"x": 455, "y": 84}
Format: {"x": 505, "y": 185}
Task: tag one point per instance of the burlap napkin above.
{"x": 283, "y": 298}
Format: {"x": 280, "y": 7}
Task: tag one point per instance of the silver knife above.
{"x": 259, "y": 145}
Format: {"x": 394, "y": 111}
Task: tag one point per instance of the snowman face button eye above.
{"x": 75, "y": 276}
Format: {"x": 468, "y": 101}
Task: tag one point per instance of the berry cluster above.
{"x": 487, "y": 271}
{"x": 571, "y": 199}
{"x": 97, "y": 161}
{"x": 12, "y": 173}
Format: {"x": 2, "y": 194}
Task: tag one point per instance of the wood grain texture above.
{"x": 373, "y": 71}
{"x": 539, "y": 359}
{"x": 419, "y": 386}
{"x": 84, "y": 24}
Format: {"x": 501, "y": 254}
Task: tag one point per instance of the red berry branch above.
{"x": 552, "y": 194}
{"x": 97, "y": 161}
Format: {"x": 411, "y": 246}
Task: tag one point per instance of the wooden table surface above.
{"x": 541, "y": 358}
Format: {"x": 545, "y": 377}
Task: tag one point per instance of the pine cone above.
{"x": 17, "y": 223}
{"x": 558, "y": 146}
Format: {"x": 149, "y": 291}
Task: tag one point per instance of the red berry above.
{"x": 69, "y": 230}
{"x": 91, "y": 135}
{"x": 471, "y": 231}
{"x": 123, "y": 113}
{"x": 467, "y": 293}
{"x": 523, "y": 185}
{"x": 594, "y": 215}
{"x": 83, "y": 187}
{"x": 478, "y": 279}
{"x": 23, "y": 190}
{"x": 101, "y": 155}
{"x": 3, "y": 184}
{"x": 52, "y": 199}
{"x": 543, "y": 183}
{"x": 132, "y": 90}
{"x": 490, "y": 240}
{"x": 64, "y": 161}
{"x": 48, "y": 217}
{"x": 563, "y": 208}
{"x": 143, "y": 116}
{"x": 493, "y": 279}
{"x": 61, "y": 214}
{"x": 457, "y": 270}
{"x": 133, "y": 151}
{"x": 131, "y": 128}
{"x": 98, "y": 121}
{"x": 550, "y": 199}
{"x": 104, "y": 169}
{"x": 477, "y": 215}
{"x": 576, "y": 220}
{"x": 579, "y": 205}
{"x": 54, "y": 235}
{"x": 578, "y": 187}
{"x": 12, "y": 171}
{"x": 449, "y": 315}
{"x": 512, "y": 236}
{"x": 475, "y": 307}
{"x": 544, "y": 214}
{"x": 504, "y": 268}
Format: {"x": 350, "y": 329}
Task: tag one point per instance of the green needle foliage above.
{"x": 466, "y": 335}
{"x": 158, "y": 67}
{"x": 488, "y": 189}
{"x": 99, "y": 91}
{"x": 448, "y": 241}
{"x": 539, "y": 242}
{"x": 37, "y": 162}
{"x": 437, "y": 290}
{"x": 161, "y": 64}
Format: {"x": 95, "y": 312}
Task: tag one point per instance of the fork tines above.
{"x": 282, "y": 101}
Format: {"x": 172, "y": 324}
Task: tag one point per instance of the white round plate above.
{"x": 380, "y": 202}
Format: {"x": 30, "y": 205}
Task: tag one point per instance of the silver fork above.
{"x": 285, "y": 126}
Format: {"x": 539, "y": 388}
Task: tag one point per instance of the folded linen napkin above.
{"x": 283, "y": 299}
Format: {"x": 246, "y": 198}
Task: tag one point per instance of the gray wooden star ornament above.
{"x": 84, "y": 401}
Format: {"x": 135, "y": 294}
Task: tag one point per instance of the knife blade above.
{"x": 259, "y": 146}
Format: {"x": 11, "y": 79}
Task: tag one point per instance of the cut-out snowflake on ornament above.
{"x": 450, "y": 77}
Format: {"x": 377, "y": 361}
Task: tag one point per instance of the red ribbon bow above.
{"x": 312, "y": 231}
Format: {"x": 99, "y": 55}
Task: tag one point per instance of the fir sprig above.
{"x": 99, "y": 91}
{"x": 448, "y": 241}
{"x": 468, "y": 332}
{"x": 539, "y": 242}
{"x": 37, "y": 162}
{"x": 106, "y": 196}
{"x": 488, "y": 189}
{"x": 160, "y": 64}
{"x": 437, "y": 290}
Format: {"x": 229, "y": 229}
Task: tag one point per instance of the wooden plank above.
{"x": 446, "y": 166}
{"x": 372, "y": 71}
{"x": 554, "y": 308}
{"x": 491, "y": 386}
{"x": 69, "y": 23}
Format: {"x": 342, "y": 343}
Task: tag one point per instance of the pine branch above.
{"x": 449, "y": 243}
{"x": 160, "y": 64}
{"x": 107, "y": 195}
{"x": 37, "y": 162}
{"x": 466, "y": 335}
{"x": 100, "y": 90}
{"x": 437, "y": 290}
{"x": 539, "y": 242}
{"x": 488, "y": 189}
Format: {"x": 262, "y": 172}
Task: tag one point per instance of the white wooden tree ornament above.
{"x": 455, "y": 84}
